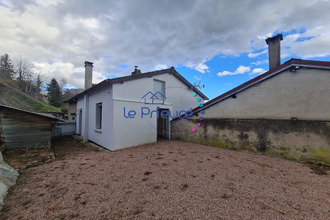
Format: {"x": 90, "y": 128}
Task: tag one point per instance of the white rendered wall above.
{"x": 80, "y": 105}
{"x": 303, "y": 94}
{"x": 135, "y": 131}
{"x": 103, "y": 137}
{"x": 119, "y": 132}
{"x": 177, "y": 93}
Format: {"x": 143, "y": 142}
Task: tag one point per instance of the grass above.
{"x": 13, "y": 97}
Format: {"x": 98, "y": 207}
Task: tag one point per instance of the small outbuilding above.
{"x": 25, "y": 129}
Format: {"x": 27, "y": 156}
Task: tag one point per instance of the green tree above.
{"x": 54, "y": 95}
{"x": 6, "y": 67}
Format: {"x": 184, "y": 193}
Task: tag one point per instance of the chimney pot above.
{"x": 274, "y": 50}
{"x": 88, "y": 74}
{"x": 136, "y": 71}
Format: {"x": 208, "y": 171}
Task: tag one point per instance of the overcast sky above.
{"x": 220, "y": 43}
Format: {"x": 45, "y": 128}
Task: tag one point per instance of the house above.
{"x": 72, "y": 110}
{"x": 283, "y": 112}
{"x": 25, "y": 129}
{"x": 132, "y": 110}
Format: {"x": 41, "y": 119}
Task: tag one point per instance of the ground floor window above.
{"x": 99, "y": 116}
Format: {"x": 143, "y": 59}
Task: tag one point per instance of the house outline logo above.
{"x": 154, "y": 98}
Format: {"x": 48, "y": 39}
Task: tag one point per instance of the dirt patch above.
{"x": 191, "y": 181}
{"x": 22, "y": 159}
{"x": 319, "y": 168}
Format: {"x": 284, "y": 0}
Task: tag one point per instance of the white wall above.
{"x": 103, "y": 137}
{"x": 177, "y": 93}
{"x": 119, "y": 132}
{"x": 80, "y": 105}
{"x": 303, "y": 94}
{"x": 131, "y": 132}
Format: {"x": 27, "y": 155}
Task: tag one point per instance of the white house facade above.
{"x": 136, "y": 109}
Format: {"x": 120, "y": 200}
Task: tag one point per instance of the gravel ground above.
{"x": 167, "y": 180}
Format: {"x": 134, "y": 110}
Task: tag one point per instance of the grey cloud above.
{"x": 149, "y": 33}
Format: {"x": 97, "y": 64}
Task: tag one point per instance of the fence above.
{"x": 66, "y": 128}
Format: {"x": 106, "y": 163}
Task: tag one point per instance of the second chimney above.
{"x": 88, "y": 74}
{"x": 274, "y": 50}
{"x": 136, "y": 71}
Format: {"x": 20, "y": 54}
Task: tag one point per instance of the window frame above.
{"x": 98, "y": 116}
{"x": 162, "y": 92}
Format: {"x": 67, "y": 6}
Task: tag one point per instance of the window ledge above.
{"x": 98, "y": 130}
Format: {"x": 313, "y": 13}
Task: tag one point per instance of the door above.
{"x": 163, "y": 127}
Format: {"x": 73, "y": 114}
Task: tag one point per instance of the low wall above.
{"x": 291, "y": 139}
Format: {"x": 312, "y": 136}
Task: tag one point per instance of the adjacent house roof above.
{"x": 139, "y": 76}
{"x": 39, "y": 114}
{"x": 292, "y": 65}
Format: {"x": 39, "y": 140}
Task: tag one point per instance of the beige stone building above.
{"x": 283, "y": 112}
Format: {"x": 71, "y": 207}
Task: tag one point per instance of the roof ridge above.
{"x": 122, "y": 79}
{"x": 262, "y": 77}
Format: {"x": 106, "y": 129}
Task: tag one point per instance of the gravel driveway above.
{"x": 167, "y": 180}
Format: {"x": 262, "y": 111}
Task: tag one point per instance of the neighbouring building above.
{"x": 283, "y": 112}
{"x": 127, "y": 111}
{"x": 72, "y": 110}
{"x": 25, "y": 129}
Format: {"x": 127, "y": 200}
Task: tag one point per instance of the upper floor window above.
{"x": 159, "y": 86}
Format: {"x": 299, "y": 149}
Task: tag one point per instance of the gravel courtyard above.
{"x": 167, "y": 180}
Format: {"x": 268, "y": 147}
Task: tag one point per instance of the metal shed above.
{"x": 25, "y": 129}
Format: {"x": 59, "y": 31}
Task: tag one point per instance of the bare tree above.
{"x": 63, "y": 83}
{"x": 69, "y": 93}
{"x": 23, "y": 69}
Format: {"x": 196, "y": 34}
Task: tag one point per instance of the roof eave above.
{"x": 139, "y": 76}
{"x": 285, "y": 66}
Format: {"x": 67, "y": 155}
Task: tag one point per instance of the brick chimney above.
{"x": 136, "y": 71}
{"x": 274, "y": 50}
{"x": 88, "y": 74}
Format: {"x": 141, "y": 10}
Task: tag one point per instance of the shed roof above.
{"x": 292, "y": 65}
{"x": 139, "y": 76}
{"x": 39, "y": 114}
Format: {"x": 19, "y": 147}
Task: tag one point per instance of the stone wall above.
{"x": 8, "y": 177}
{"x": 299, "y": 140}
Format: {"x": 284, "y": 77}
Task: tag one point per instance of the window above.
{"x": 159, "y": 86}
{"x": 98, "y": 116}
